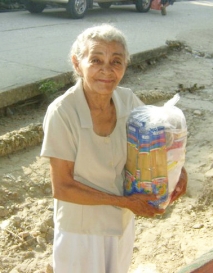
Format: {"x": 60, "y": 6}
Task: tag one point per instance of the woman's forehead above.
{"x": 95, "y": 46}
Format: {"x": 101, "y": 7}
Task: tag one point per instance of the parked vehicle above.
{"x": 78, "y": 8}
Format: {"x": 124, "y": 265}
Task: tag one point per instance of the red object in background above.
{"x": 156, "y": 4}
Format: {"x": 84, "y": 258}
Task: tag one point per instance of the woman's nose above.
{"x": 107, "y": 67}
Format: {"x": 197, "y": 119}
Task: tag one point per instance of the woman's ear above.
{"x": 76, "y": 65}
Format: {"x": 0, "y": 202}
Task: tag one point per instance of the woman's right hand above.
{"x": 138, "y": 204}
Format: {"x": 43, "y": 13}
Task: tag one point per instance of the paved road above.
{"x": 36, "y": 46}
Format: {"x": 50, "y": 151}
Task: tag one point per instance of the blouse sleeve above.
{"x": 136, "y": 101}
{"x": 58, "y": 139}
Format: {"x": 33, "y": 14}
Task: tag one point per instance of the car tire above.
{"x": 105, "y": 5}
{"x": 35, "y": 7}
{"x": 143, "y": 5}
{"x": 77, "y": 8}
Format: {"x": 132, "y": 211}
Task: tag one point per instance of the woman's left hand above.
{"x": 180, "y": 188}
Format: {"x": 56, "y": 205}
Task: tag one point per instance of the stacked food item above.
{"x": 155, "y": 150}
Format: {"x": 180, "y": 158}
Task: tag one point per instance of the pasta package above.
{"x": 156, "y": 143}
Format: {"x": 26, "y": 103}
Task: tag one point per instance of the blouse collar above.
{"x": 84, "y": 111}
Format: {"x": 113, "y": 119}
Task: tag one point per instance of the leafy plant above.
{"x": 49, "y": 87}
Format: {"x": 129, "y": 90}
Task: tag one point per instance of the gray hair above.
{"x": 104, "y": 32}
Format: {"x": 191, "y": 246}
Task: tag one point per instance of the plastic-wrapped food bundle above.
{"x": 155, "y": 150}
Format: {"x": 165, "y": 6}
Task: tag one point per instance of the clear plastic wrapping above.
{"x": 156, "y": 142}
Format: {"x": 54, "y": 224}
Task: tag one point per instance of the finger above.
{"x": 146, "y": 197}
{"x": 156, "y": 210}
{"x": 151, "y": 197}
{"x": 178, "y": 189}
{"x": 160, "y": 211}
{"x": 176, "y": 195}
{"x": 155, "y": 213}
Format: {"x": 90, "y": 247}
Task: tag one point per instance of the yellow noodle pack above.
{"x": 156, "y": 143}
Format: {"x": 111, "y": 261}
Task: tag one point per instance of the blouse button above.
{"x": 107, "y": 140}
{"x": 111, "y": 163}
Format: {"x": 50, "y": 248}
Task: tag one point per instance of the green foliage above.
{"x": 49, "y": 87}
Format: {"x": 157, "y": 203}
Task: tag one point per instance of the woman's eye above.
{"x": 117, "y": 62}
{"x": 95, "y": 61}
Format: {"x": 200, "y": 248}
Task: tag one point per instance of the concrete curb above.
{"x": 203, "y": 264}
{"x": 150, "y": 54}
{"x": 21, "y": 93}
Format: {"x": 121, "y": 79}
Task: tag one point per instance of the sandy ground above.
{"x": 163, "y": 244}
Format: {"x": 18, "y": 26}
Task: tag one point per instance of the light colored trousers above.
{"x": 82, "y": 253}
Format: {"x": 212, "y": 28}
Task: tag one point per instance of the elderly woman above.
{"x": 85, "y": 139}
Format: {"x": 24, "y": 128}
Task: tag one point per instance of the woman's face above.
{"x": 102, "y": 67}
